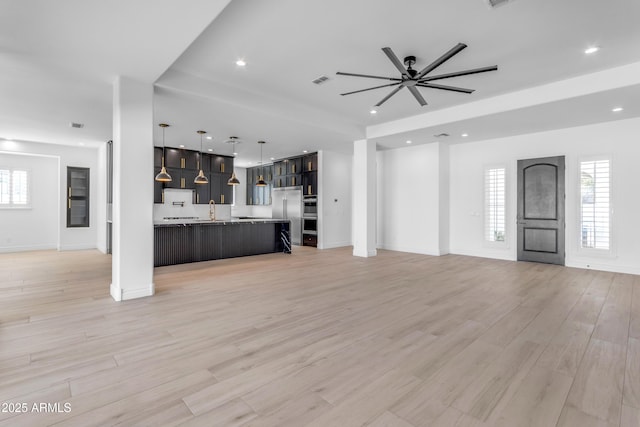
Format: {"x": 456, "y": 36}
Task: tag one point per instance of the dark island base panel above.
{"x": 183, "y": 243}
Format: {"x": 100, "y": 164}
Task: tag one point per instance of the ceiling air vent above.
{"x": 441, "y": 135}
{"x": 320, "y": 80}
{"x": 496, "y": 3}
{"x": 76, "y": 125}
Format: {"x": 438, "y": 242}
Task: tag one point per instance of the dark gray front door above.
{"x": 541, "y": 210}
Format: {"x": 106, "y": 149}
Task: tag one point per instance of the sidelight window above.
{"x": 595, "y": 204}
{"x": 14, "y": 188}
{"x": 495, "y": 207}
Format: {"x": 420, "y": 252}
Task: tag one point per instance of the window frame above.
{"x": 485, "y": 207}
{"x": 12, "y": 204}
{"x": 610, "y": 252}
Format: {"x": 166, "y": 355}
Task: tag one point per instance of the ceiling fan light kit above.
{"x": 412, "y": 79}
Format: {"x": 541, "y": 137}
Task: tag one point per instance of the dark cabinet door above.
{"x": 176, "y": 178}
{"x": 226, "y": 190}
{"x": 204, "y": 162}
{"x": 279, "y": 169}
{"x": 310, "y": 162}
{"x": 203, "y": 192}
{"x": 173, "y": 158}
{"x": 279, "y": 181}
{"x": 268, "y": 173}
{"x": 221, "y": 164}
{"x": 310, "y": 183}
{"x": 188, "y": 176}
{"x": 227, "y": 165}
{"x": 77, "y": 197}
{"x": 294, "y": 180}
{"x": 157, "y": 191}
{"x": 294, "y": 166}
{"x": 190, "y": 159}
{"x": 157, "y": 157}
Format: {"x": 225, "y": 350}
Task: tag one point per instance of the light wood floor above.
{"x": 320, "y": 338}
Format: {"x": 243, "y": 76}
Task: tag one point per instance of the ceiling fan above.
{"x": 412, "y": 79}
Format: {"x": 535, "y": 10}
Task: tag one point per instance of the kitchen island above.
{"x": 183, "y": 241}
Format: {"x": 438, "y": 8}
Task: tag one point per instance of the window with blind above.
{"x": 14, "y": 188}
{"x": 495, "y": 210}
{"x": 595, "y": 204}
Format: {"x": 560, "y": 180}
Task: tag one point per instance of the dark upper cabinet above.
{"x": 294, "y": 166}
{"x": 260, "y": 195}
{"x": 279, "y": 181}
{"x": 268, "y": 173}
{"x": 157, "y": 157}
{"x": 181, "y": 159}
{"x": 280, "y": 168}
{"x": 173, "y": 158}
{"x": 203, "y": 192}
{"x": 221, "y": 192}
{"x": 190, "y": 159}
{"x": 157, "y": 191}
{"x": 221, "y": 164}
{"x": 310, "y": 162}
{"x": 310, "y": 183}
{"x": 176, "y": 178}
{"x": 294, "y": 180}
{"x": 203, "y": 162}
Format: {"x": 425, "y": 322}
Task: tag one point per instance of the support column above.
{"x": 364, "y": 198}
{"x": 132, "y": 259}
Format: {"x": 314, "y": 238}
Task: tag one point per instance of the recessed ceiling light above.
{"x": 305, "y": 151}
{"x": 181, "y": 146}
{"x": 240, "y": 63}
{"x": 235, "y": 154}
{"x": 617, "y": 109}
{"x": 209, "y": 137}
{"x": 592, "y": 49}
{"x": 210, "y": 149}
{"x": 81, "y": 144}
{"x": 248, "y": 163}
{"x": 464, "y": 135}
{"x": 272, "y": 158}
{"x": 409, "y": 141}
{"x": 373, "y": 111}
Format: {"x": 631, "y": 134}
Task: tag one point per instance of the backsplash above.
{"x": 179, "y": 204}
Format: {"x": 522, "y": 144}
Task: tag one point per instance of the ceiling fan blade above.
{"x": 393, "y": 92}
{"x": 371, "y": 88}
{"x": 443, "y": 87}
{"x": 417, "y": 95}
{"x": 392, "y": 56}
{"x": 438, "y": 62}
{"x": 460, "y": 73}
{"x": 368, "y": 76}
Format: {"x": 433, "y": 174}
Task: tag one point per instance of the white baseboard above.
{"x": 335, "y": 245}
{"x": 482, "y": 254}
{"x": 365, "y": 254}
{"x": 625, "y": 269}
{"x": 7, "y": 249}
{"x": 119, "y": 294}
{"x": 77, "y": 247}
{"x": 409, "y": 249}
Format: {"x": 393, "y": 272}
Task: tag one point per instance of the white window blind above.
{"x": 14, "y": 188}
{"x": 595, "y": 204}
{"x": 494, "y": 196}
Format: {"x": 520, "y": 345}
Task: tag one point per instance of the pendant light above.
{"x": 163, "y": 176}
{"x": 233, "y": 180}
{"x": 201, "y": 179}
{"x": 261, "y": 182}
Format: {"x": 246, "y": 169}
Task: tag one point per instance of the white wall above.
{"x": 334, "y": 202}
{"x": 618, "y": 139}
{"x": 68, "y": 238}
{"x": 34, "y": 227}
{"x": 409, "y": 199}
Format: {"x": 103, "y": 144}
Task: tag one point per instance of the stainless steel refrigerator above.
{"x": 287, "y": 204}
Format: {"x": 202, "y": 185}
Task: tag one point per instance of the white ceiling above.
{"x": 59, "y": 58}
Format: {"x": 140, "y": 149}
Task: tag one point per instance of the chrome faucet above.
{"x": 212, "y": 210}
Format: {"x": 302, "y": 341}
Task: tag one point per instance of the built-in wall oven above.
{"x": 310, "y": 221}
